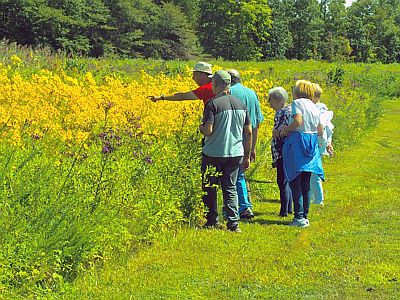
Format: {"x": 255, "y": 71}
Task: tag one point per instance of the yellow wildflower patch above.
{"x": 71, "y": 108}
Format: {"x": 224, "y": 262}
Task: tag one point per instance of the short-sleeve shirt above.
{"x": 282, "y": 118}
{"x": 250, "y": 99}
{"x": 326, "y": 121}
{"x": 228, "y": 116}
{"x": 309, "y": 112}
{"x": 204, "y": 92}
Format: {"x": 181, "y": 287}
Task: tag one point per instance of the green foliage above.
{"x": 334, "y": 45}
{"x": 280, "y": 37}
{"x": 374, "y": 30}
{"x": 234, "y": 30}
{"x": 75, "y": 26}
{"x": 189, "y": 7}
{"x": 172, "y": 39}
{"x": 97, "y": 28}
{"x": 367, "y": 31}
{"x": 336, "y": 75}
{"x": 306, "y": 25}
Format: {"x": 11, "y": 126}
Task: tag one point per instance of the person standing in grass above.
{"x": 277, "y": 98}
{"x": 300, "y": 153}
{"x": 250, "y": 99}
{"x": 201, "y": 75}
{"x": 324, "y": 145}
{"x": 228, "y": 136}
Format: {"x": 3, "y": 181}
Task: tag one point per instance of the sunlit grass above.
{"x": 350, "y": 251}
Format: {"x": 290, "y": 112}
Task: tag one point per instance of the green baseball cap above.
{"x": 221, "y": 78}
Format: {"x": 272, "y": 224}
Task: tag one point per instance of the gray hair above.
{"x": 278, "y": 94}
{"x": 235, "y": 75}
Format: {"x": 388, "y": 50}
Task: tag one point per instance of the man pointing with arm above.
{"x": 201, "y": 73}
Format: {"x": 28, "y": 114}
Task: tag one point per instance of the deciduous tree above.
{"x": 306, "y": 28}
{"x": 280, "y": 38}
{"x": 233, "y": 29}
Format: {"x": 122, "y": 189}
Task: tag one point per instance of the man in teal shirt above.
{"x": 227, "y": 130}
{"x": 249, "y": 98}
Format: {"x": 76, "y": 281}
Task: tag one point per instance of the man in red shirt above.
{"x": 201, "y": 73}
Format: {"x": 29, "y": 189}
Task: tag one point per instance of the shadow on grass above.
{"x": 268, "y": 213}
{"x": 268, "y": 200}
{"x": 284, "y": 222}
{"x": 260, "y": 180}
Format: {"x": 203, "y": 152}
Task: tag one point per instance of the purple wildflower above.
{"x": 106, "y": 150}
{"x": 148, "y": 159}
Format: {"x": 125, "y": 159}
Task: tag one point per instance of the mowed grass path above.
{"x": 350, "y": 251}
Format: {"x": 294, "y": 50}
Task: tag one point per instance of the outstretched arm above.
{"x": 175, "y": 97}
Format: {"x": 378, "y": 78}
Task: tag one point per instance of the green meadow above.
{"x": 52, "y": 245}
{"x": 350, "y": 251}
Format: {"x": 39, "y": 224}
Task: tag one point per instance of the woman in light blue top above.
{"x": 324, "y": 145}
{"x": 301, "y": 156}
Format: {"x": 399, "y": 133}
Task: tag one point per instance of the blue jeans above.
{"x": 227, "y": 169}
{"x": 317, "y": 193}
{"x": 243, "y": 192}
{"x": 285, "y": 194}
{"x": 300, "y": 187}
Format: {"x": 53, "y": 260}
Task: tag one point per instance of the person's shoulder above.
{"x": 217, "y": 99}
{"x": 249, "y": 90}
{"x": 207, "y": 86}
{"x": 236, "y": 88}
{"x": 237, "y": 102}
{"x": 300, "y": 100}
{"x": 211, "y": 101}
{"x": 304, "y": 101}
{"x": 228, "y": 98}
{"x": 322, "y": 106}
{"x": 234, "y": 97}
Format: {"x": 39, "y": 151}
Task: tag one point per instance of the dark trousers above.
{"x": 285, "y": 194}
{"x": 300, "y": 187}
{"x": 224, "y": 171}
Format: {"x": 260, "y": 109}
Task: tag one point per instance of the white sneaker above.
{"x": 321, "y": 203}
{"x": 300, "y": 223}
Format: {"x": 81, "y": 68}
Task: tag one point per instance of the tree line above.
{"x": 367, "y": 31}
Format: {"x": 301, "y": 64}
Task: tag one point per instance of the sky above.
{"x": 348, "y": 2}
